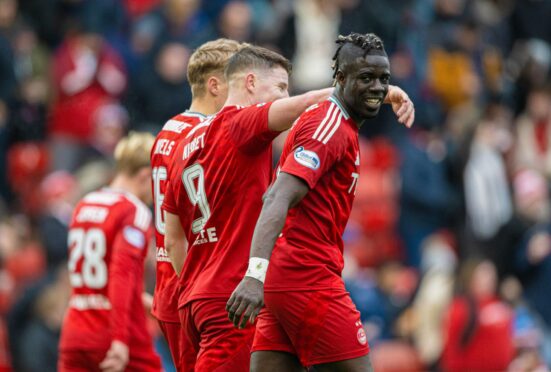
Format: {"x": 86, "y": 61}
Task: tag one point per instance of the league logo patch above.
{"x": 134, "y": 237}
{"x": 307, "y": 158}
{"x": 362, "y": 337}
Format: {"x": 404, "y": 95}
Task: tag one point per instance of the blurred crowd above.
{"x": 448, "y": 250}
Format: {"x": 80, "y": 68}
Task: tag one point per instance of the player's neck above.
{"x": 203, "y": 106}
{"x": 124, "y": 183}
{"x": 338, "y": 96}
{"x": 238, "y": 98}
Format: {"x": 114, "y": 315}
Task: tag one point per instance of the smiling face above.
{"x": 364, "y": 85}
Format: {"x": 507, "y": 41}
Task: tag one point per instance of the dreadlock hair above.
{"x": 370, "y": 43}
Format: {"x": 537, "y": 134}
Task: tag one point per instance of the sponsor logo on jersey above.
{"x": 134, "y": 237}
{"x": 307, "y": 158}
{"x": 162, "y": 255}
{"x": 362, "y": 337}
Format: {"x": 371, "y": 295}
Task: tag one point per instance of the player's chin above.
{"x": 370, "y": 112}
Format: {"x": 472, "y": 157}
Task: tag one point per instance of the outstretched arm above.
{"x": 248, "y": 298}
{"x": 285, "y": 111}
{"x": 401, "y": 105}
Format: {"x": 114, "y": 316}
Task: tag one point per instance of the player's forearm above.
{"x": 285, "y": 111}
{"x": 269, "y": 226}
{"x": 175, "y": 241}
{"x": 176, "y": 253}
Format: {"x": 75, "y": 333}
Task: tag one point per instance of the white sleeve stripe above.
{"x": 335, "y": 127}
{"x": 332, "y": 122}
{"x": 322, "y": 124}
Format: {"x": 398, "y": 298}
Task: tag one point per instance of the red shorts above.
{"x": 210, "y": 342}
{"x": 89, "y": 360}
{"x": 172, "y": 331}
{"x": 316, "y": 326}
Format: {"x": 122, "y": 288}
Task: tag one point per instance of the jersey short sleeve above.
{"x": 311, "y": 154}
{"x": 169, "y": 201}
{"x": 249, "y": 128}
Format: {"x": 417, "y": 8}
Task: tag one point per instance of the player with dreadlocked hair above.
{"x": 367, "y": 42}
{"x": 309, "y": 318}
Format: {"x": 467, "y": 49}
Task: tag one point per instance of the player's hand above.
{"x": 245, "y": 302}
{"x": 116, "y": 358}
{"x": 147, "y": 302}
{"x": 401, "y": 105}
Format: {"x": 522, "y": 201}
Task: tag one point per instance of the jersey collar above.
{"x": 336, "y": 101}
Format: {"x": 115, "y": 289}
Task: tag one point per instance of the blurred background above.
{"x": 448, "y": 249}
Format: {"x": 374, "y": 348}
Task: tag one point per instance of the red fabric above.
{"x": 137, "y": 8}
{"x": 491, "y": 346}
{"x": 72, "y": 114}
{"x": 108, "y": 239}
{"x": 226, "y": 164}
{"x": 171, "y": 332}
{"x": 5, "y": 359}
{"x": 210, "y": 342}
{"x": 165, "y": 298}
{"x": 88, "y": 361}
{"x": 541, "y": 134}
{"x": 316, "y": 326}
{"x": 322, "y": 149}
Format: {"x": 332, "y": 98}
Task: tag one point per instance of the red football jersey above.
{"x": 323, "y": 150}
{"x": 216, "y": 183}
{"x": 165, "y": 298}
{"x": 108, "y": 239}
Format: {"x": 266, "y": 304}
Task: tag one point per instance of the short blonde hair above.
{"x": 210, "y": 58}
{"x": 133, "y": 152}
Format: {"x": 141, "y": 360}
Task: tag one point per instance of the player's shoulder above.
{"x": 323, "y": 122}
{"x": 121, "y": 203}
{"x": 103, "y": 196}
{"x": 182, "y": 122}
{"x": 141, "y": 213}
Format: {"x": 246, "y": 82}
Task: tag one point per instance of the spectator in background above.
{"x": 433, "y": 296}
{"x": 428, "y": 199}
{"x": 478, "y": 328}
{"x": 28, "y": 116}
{"x": 59, "y": 194}
{"x": 179, "y": 21}
{"x": 316, "y": 26}
{"x": 235, "y": 21}
{"x": 488, "y": 202}
{"x": 87, "y": 72}
{"x": 533, "y": 133}
{"x": 533, "y": 260}
{"x": 35, "y": 323}
{"x": 160, "y": 93}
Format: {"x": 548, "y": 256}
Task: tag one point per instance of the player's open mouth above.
{"x": 373, "y": 103}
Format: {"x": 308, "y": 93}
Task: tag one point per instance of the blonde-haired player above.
{"x": 105, "y": 325}
{"x": 209, "y": 90}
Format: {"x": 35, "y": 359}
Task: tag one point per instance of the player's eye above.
{"x": 385, "y": 79}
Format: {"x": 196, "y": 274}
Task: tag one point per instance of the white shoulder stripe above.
{"x": 330, "y": 123}
{"x": 142, "y": 216}
{"x": 175, "y": 126}
{"x": 102, "y": 197}
{"x": 322, "y": 124}
{"x": 335, "y": 127}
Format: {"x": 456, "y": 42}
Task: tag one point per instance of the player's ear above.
{"x": 250, "y": 82}
{"x": 213, "y": 85}
{"x": 340, "y": 77}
